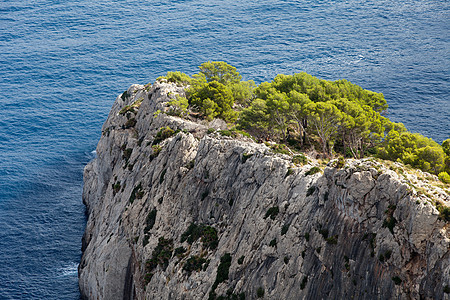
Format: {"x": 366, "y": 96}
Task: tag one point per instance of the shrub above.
{"x": 285, "y": 228}
{"x": 161, "y": 255}
{"x": 307, "y": 236}
{"x": 241, "y": 260}
{"x": 272, "y": 212}
{"x": 126, "y": 153}
{"x": 222, "y": 270}
{"x": 396, "y": 280}
{"x": 340, "y": 162}
{"x": 289, "y": 172}
{"x": 150, "y": 220}
{"x": 313, "y": 171}
{"x": 246, "y": 156}
{"x": 178, "y": 106}
{"x": 310, "y": 191}
{"x": 260, "y": 292}
{"x": 304, "y": 282}
{"x": 177, "y": 77}
{"x": 156, "y": 149}
{"x": 332, "y": 239}
{"x": 194, "y": 263}
{"x": 137, "y": 193}
{"x": 130, "y": 123}
{"x": 273, "y": 243}
{"x": 163, "y": 133}
{"x": 207, "y": 234}
{"x": 444, "y": 177}
{"x": 444, "y": 211}
{"x": 299, "y": 159}
{"x": 179, "y": 251}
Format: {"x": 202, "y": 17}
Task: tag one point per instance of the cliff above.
{"x": 195, "y": 214}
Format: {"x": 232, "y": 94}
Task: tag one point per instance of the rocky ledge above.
{"x": 179, "y": 210}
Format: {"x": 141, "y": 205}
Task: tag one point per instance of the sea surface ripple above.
{"x": 62, "y": 63}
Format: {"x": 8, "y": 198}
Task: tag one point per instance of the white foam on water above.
{"x": 68, "y": 270}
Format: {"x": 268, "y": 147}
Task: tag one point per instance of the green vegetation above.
{"x": 160, "y": 256}
{"x": 334, "y": 117}
{"x": 179, "y": 252}
{"x": 396, "y": 280}
{"x": 273, "y": 243}
{"x": 137, "y": 193}
{"x": 241, "y": 260}
{"x": 390, "y": 221}
{"x": 444, "y": 211}
{"x": 304, "y": 282}
{"x": 260, "y": 292}
{"x": 163, "y": 133}
{"x": 195, "y": 263}
{"x": 285, "y": 228}
{"x": 207, "y": 234}
{"x": 150, "y": 220}
{"x": 300, "y": 159}
{"x": 222, "y": 273}
{"x": 313, "y": 171}
{"x": 246, "y": 156}
{"x": 310, "y": 190}
{"x": 272, "y": 212}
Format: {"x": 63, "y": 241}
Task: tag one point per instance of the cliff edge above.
{"x": 179, "y": 210}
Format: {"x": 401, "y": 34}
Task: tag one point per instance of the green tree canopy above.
{"x": 220, "y": 71}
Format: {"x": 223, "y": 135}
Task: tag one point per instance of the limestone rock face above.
{"x": 358, "y": 232}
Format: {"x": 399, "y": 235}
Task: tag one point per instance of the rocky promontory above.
{"x": 182, "y": 209}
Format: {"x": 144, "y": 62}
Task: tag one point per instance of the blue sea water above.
{"x": 62, "y": 63}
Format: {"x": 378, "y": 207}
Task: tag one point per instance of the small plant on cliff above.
{"x": 207, "y": 234}
{"x": 304, "y": 282}
{"x": 194, "y": 263}
{"x": 163, "y": 133}
{"x": 313, "y": 171}
{"x": 390, "y": 221}
{"x": 222, "y": 271}
{"x": 272, "y": 212}
{"x": 150, "y": 220}
{"x": 396, "y": 280}
{"x": 299, "y": 159}
{"x": 444, "y": 211}
{"x": 260, "y": 292}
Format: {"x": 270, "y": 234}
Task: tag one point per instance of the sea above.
{"x": 63, "y": 63}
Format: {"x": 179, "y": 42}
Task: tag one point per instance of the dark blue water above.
{"x": 62, "y": 63}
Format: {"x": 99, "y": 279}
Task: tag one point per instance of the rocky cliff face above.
{"x": 197, "y": 215}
